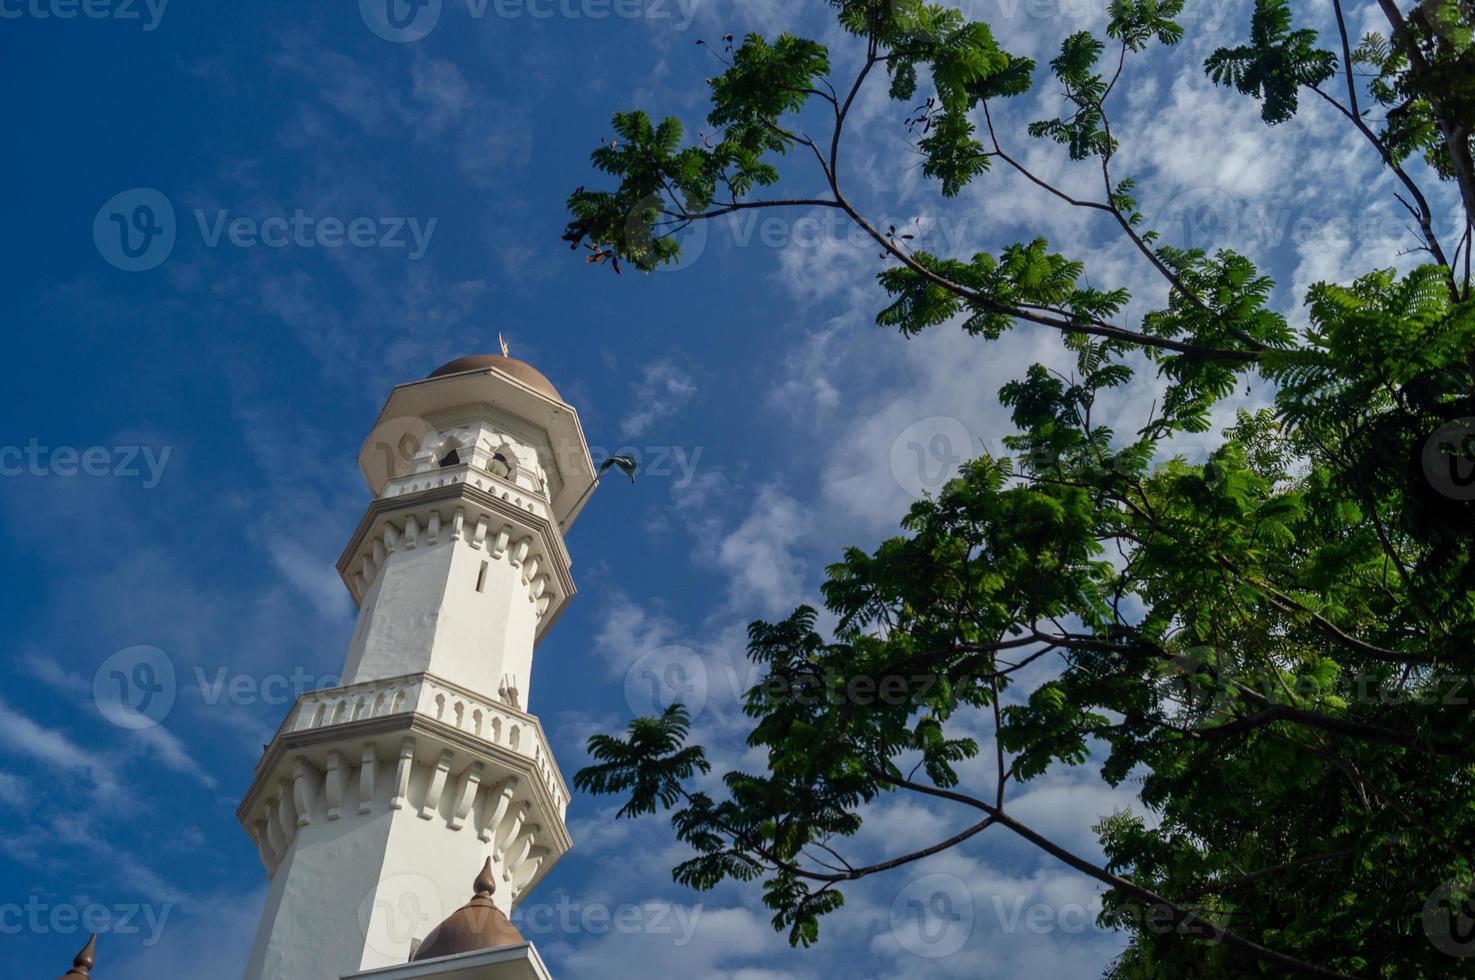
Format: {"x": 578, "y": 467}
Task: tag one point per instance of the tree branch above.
{"x": 1185, "y": 917}
{"x": 1456, "y": 136}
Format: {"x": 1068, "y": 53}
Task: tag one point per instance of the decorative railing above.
{"x": 477, "y": 476}
{"x": 431, "y": 697}
{"x": 501, "y": 535}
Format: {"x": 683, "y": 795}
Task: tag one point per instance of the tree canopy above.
{"x": 1275, "y": 641}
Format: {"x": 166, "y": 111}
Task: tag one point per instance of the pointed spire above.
{"x": 485, "y": 884}
{"x": 503, "y": 342}
{"x": 82, "y": 963}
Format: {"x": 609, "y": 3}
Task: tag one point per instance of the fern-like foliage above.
{"x": 1275, "y": 64}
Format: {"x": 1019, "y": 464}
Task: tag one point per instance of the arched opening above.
{"x": 503, "y": 462}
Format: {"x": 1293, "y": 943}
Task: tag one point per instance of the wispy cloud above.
{"x": 664, "y": 389}
{"x": 21, "y": 736}
{"x": 156, "y": 741}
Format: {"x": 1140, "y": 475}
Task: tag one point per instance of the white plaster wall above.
{"x": 424, "y": 613}
{"x": 481, "y": 636}
{"x": 352, "y": 893}
{"x": 309, "y": 931}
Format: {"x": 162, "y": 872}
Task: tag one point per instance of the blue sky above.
{"x": 230, "y": 383}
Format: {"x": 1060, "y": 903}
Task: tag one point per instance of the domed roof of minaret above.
{"x": 476, "y": 925}
{"x": 521, "y": 370}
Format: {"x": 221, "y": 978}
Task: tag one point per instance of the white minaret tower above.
{"x": 378, "y": 801}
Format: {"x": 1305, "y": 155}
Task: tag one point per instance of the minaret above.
{"x": 377, "y": 800}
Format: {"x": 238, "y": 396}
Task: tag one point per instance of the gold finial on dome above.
{"x": 83, "y": 962}
{"x": 503, "y": 342}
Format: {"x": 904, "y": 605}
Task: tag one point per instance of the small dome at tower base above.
{"x": 478, "y": 924}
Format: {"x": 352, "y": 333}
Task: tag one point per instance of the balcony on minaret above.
{"x": 481, "y": 450}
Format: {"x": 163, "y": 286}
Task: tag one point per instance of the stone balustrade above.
{"x": 476, "y": 476}
{"x": 431, "y": 697}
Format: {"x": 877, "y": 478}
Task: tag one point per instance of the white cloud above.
{"x": 758, "y": 556}
{"x": 226, "y": 929}
{"x": 664, "y": 390}
{"x": 171, "y": 753}
{"x": 721, "y": 946}
{"x": 627, "y": 630}
{"x": 157, "y": 741}
{"x": 21, "y": 736}
{"x": 442, "y": 92}
{"x": 318, "y": 580}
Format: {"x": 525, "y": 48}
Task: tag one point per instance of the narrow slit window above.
{"x": 481, "y": 578}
